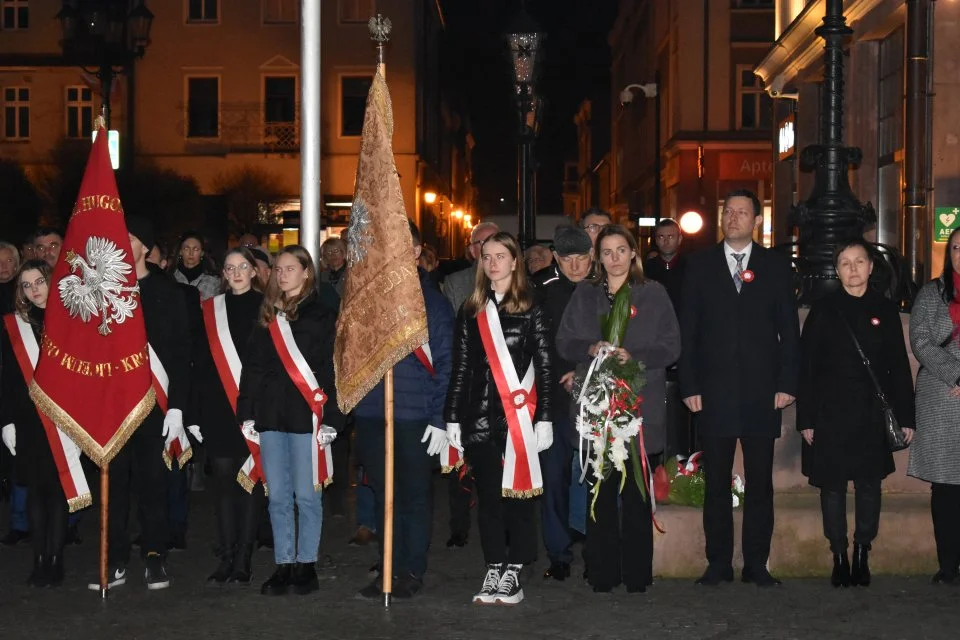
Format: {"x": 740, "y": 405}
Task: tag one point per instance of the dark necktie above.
{"x": 738, "y": 274}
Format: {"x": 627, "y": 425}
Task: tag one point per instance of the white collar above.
{"x": 728, "y": 251}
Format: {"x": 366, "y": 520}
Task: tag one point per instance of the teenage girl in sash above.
{"x": 228, "y": 320}
{"x": 24, "y": 433}
{"x": 287, "y": 404}
{"x": 498, "y": 411}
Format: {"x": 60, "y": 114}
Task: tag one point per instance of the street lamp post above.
{"x": 650, "y": 91}
{"x": 832, "y": 214}
{"x": 103, "y": 34}
{"x": 524, "y": 40}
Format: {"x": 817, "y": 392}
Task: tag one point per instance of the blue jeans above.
{"x": 578, "y": 497}
{"x": 366, "y": 513}
{"x": 555, "y": 507}
{"x": 288, "y": 467}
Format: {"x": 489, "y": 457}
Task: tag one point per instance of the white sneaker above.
{"x": 116, "y": 578}
{"x": 491, "y": 582}
{"x": 509, "y": 590}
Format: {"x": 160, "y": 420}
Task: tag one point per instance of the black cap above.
{"x": 569, "y": 241}
{"x": 142, "y": 229}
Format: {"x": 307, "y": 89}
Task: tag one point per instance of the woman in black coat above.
{"x": 501, "y": 319}
{"x": 24, "y": 435}
{"x": 620, "y": 540}
{"x": 838, "y": 413}
{"x": 294, "y": 330}
{"x": 238, "y": 506}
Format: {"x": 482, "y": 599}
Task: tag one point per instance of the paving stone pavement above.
{"x": 894, "y": 607}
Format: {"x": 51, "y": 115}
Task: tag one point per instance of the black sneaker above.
{"x": 406, "y": 587}
{"x": 15, "y": 537}
{"x": 155, "y": 575}
{"x": 491, "y": 582}
{"x": 115, "y": 578}
{"x": 372, "y": 591}
{"x": 509, "y": 590}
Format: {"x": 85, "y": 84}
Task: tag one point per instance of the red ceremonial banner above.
{"x": 93, "y": 375}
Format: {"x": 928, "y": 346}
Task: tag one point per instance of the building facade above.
{"x": 715, "y": 119}
{"x": 217, "y": 94}
{"x": 878, "y": 73}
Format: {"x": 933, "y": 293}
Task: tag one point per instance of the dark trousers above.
{"x": 460, "y": 493}
{"x": 555, "y": 506}
{"x": 238, "y": 512}
{"x": 501, "y": 518}
{"x": 945, "y": 509}
{"x": 335, "y": 496}
{"x": 47, "y": 509}
{"x": 178, "y": 499}
{"x": 139, "y": 468}
{"x": 620, "y": 541}
{"x": 413, "y": 501}
{"x": 718, "y": 454}
{"x": 833, "y": 505}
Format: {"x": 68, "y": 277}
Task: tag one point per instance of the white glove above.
{"x": 194, "y": 430}
{"x": 544, "y": 431}
{"x": 9, "y": 436}
{"x": 437, "y": 440}
{"x": 172, "y": 425}
{"x": 326, "y": 435}
{"x": 249, "y": 432}
{"x": 454, "y": 436}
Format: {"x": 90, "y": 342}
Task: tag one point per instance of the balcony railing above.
{"x": 243, "y": 130}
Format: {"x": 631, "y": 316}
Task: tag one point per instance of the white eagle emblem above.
{"x": 99, "y": 289}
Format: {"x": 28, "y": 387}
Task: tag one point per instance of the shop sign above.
{"x": 786, "y": 138}
{"x": 945, "y": 220}
{"x": 747, "y": 165}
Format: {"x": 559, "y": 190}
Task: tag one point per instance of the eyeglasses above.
{"x": 41, "y": 249}
{"x": 241, "y": 268}
{"x": 594, "y": 228}
{"x": 36, "y": 284}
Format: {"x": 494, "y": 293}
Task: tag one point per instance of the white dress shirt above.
{"x": 732, "y": 262}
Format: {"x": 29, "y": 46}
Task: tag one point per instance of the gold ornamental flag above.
{"x": 382, "y": 316}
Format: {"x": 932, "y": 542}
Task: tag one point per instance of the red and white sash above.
{"x": 521, "y": 463}
{"x": 180, "y": 449}
{"x": 228, "y": 365}
{"x": 66, "y": 453}
{"x": 450, "y": 458}
{"x": 303, "y": 378}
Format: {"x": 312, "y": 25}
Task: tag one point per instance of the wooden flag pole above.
{"x": 380, "y": 28}
{"x": 104, "y": 527}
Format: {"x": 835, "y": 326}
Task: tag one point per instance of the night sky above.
{"x": 576, "y": 65}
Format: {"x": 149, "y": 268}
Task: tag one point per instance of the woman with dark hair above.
{"x": 24, "y": 433}
{"x": 620, "y": 539}
{"x": 228, "y": 320}
{"x": 934, "y": 455}
{"x": 193, "y": 264}
{"x": 287, "y": 405}
{"x": 498, "y": 411}
{"x": 838, "y": 413}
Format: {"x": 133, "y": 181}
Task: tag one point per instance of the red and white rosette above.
{"x": 522, "y": 477}
{"x": 66, "y": 453}
{"x": 228, "y": 365}
{"x": 180, "y": 449}
{"x": 450, "y": 458}
{"x": 303, "y": 378}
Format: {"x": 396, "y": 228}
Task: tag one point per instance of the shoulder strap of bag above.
{"x": 866, "y": 361}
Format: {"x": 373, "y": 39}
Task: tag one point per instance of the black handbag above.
{"x": 896, "y": 438}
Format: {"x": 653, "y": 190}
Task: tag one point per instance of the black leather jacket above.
{"x": 472, "y": 398}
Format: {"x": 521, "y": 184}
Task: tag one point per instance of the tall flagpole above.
{"x": 380, "y": 28}
{"x": 310, "y": 128}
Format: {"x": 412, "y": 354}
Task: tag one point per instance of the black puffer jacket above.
{"x": 267, "y": 394}
{"x": 472, "y": 398}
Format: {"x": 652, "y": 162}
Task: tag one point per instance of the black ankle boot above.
{"x": 224, "y": 569}
{"x": 242, "y": 572}
{"x": 279, "y": 583}
{"x": 39, "y": 575}
{"x": 860, "y": 573}
{"x": 304, "y": 578}
{"x": 841, "y": 570}
{"x": 55, "y": 571}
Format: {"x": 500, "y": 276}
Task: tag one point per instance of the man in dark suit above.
{"x": 738, "y": 370}
{"x": 668, "y": 265}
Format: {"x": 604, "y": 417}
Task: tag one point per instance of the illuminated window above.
{"x": 79, "y": 112}
{"x": 16, "y": 113}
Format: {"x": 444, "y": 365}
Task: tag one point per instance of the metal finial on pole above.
{"x": 380, "y": 29}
